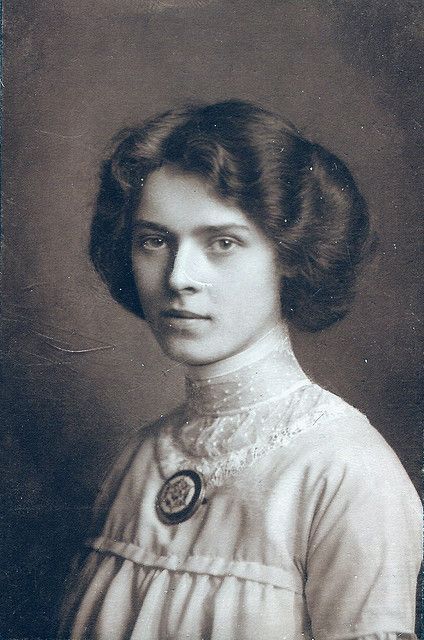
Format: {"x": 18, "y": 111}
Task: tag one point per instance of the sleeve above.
{"x": 364, "y": 550}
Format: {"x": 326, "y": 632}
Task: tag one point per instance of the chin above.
{"x": 188, "y": 357}
{"x": 190, "y": 354}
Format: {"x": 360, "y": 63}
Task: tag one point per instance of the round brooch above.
{"x": 179, "y": 497}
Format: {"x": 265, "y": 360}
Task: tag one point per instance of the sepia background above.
{"x": 80, "y": 373}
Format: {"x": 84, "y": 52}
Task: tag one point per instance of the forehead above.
{"x": 181, "y": 201}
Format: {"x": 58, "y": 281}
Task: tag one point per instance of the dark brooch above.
{"x": 180, "y": 497}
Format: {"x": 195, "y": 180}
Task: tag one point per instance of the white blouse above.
{"x": 311, "y": 528}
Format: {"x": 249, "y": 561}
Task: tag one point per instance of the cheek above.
{"x": 148, "y": 277}
{"x": 261, "y": 277}
{"x": 256, "y": 283}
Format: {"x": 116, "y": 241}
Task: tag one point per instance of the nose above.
{"x": 183, "y": 269}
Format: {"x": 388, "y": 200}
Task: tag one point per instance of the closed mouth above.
{"x": 185, "y": 315}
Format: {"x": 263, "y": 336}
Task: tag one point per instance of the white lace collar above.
{"x": 264, "y": 372}
{"x": 230, "y": 419}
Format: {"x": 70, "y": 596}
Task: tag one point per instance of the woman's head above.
{"x": 207, "y": 276}
{"x": 301, "y": 198}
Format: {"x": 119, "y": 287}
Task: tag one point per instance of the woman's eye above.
{"x": 152, "y": 243}
{"x": 223, "y": 245}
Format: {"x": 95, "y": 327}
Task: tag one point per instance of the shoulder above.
{"x": 138, "y": 441}
{"x": 338, "y": 431}
{"x": 341, "y": 452}
{"x": 131, "y": 466}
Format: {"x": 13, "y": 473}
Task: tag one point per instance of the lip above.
{"x": 183, "y": 314}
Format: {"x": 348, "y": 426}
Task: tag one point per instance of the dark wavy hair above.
{"x": 302, "y": 196}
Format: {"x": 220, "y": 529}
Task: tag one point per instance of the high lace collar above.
{"x": 241, "y": 410}
{"x": 263, "y": 372}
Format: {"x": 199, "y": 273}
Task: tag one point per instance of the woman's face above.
{"x": 207, "y": 276}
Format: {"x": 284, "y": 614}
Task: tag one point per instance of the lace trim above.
{"x": 226, "y": 445}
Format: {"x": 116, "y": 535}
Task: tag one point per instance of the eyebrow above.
{"x": 222, "y": 228}
{"x": 141, "y": 224}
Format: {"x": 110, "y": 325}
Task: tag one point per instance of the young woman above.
{"x": 265, "y": 507}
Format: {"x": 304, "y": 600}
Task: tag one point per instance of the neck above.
{"x": 265, "y": 370}
{"x": 275, "y": 339}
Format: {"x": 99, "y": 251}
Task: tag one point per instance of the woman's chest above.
{"x": 259, "y": 519}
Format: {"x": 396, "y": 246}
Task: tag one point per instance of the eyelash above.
{"x": 143, "y": 243}
{"x": 232, "y": 243}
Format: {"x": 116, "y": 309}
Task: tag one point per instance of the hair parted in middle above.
{"x": 302, "y": 196}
